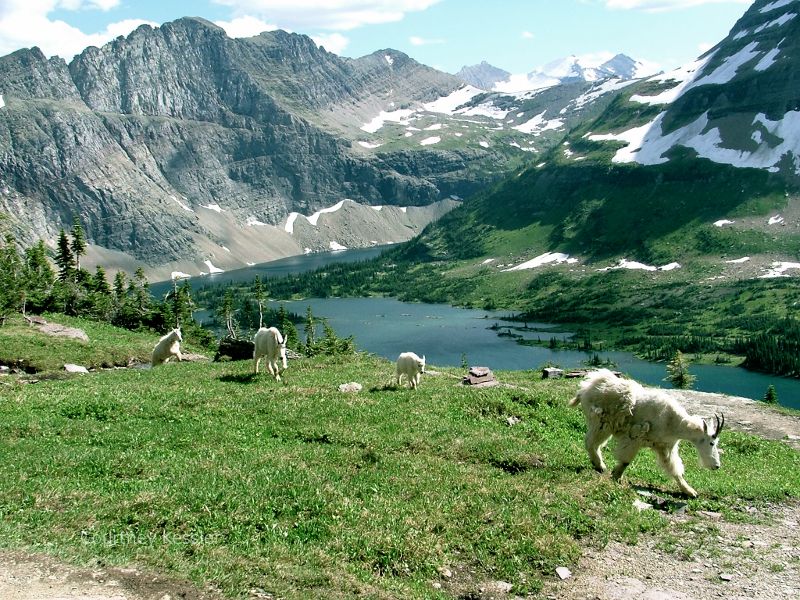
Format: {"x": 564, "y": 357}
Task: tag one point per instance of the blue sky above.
{"x": 517, "y": 35}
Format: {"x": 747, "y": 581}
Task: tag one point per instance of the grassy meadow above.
{"x": 241, "y": 483}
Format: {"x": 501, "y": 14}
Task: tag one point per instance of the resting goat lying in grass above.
{"x": 639, "y": 417}
{"x": 167, "y": 347}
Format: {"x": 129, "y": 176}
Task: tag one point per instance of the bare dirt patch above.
{"x": 38, "y": 577}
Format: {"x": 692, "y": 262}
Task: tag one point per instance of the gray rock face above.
{"x": 133, "y": 137}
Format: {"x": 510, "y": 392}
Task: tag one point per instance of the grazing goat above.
{"x": 639, "y": 417}
{"x": 167, "y": 347}
{"x": 410, "y": 365}
{"x": 269, "y": 343}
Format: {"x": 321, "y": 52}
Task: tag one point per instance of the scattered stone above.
{"x": 552, "y": 373}
{"x": 792, "y": 437}
{"x": 445, "y": 572}
{"x": 62, "y": 331}
{"x": 234, "y": 349}
{"x": 4, "y": 370}
{"x": 70, "y": 368}
{"x": 502, "y": 587}
{"x": 726, "y": 576}
{"x": 563, "y": 573}
{"x": 513, "y": 421}
{"x": 710, "y": 514}
{"x": 640, "y": 506}
{"x": 644, "y": 493}
{"x": 481, "y": 376}
{"x": 350, "y": 388}
{"x": 436, "y": 585}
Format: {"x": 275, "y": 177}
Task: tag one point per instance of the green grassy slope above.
{"x": 208, "y": 472}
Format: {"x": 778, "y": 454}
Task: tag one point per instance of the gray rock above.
{"x": 71, "y": 368}
{"x": 350, "y": 388}
{"x": 563, "y": 572}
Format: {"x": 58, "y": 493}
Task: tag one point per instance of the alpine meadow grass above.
{"x": 206, "y": 471}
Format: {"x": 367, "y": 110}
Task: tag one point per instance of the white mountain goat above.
{"x": 642, "y": 417}
{"x": 410, "y": 365}
{"x": 167, "y": 347}
{"x": 269, "y": 343}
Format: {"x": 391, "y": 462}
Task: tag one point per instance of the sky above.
{"x": 516, "y": 35}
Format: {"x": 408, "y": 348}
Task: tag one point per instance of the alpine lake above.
{"x": 451, "y": 336}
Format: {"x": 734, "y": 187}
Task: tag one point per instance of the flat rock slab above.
{"x": 57, "y": 330}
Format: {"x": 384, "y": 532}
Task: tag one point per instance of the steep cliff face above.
{"x": 136, "y": 136}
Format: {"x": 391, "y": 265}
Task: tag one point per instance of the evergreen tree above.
{"x": 39, "y": 278}
{"x": 64, "y": 260}
{"x": 11, "y": 288}
{"x": 119, "y": 286}
{"x": 288, "y": 329}
{"x": 678, "y": 372}
{"x": 259, "y": 292}
{"x": 771, "y": 397}
{"x": 310, "y": 326}
{"x": 226, "y": 313}
{"x": 78, "y": 245}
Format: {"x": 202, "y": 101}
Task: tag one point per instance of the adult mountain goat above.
{"x": 269, "y": 343}
{"x": 167, "y": 347}
{"x": 410, "y": 365}
{"x": 639, "y": 417}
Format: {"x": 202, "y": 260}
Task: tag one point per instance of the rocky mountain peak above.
{"x": 483, "y": 76}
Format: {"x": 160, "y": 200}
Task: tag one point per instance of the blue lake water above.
{"x": 444, "y": 334}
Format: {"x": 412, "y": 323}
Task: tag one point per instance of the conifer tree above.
{"x": 11, "y": 289}
{"x": 259, "y": 292}
{"x": 771, "y": 397}
{"x": 288, "y": 329}
{"x": 78, "y": 245}
{"x": 310, "y": 326}
{"x": 678, "y": 372}
{"x": 64, "y": 260}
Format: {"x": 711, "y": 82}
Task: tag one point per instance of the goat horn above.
{"x": 720, "y": 424}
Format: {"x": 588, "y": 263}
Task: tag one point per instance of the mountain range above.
{"x": 696, "y": 170}
{"x": 186, "y": 151}
{"x": 565, "y": 70}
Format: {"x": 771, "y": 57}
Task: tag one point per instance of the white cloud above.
{"x": 341, "y": 15}
{"x": 25, "y": 23}
{"x": 332, "y": 42}
{"x": 242, "y": 27}
{"x": 662, "y": 5}
{"x": 527, "y": 35}
{"x": 418, "y": 41}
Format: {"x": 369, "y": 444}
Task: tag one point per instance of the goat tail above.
{"x": 575, "y": 401}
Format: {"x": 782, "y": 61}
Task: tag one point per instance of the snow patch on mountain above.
{"x": 289, "y": 227}
{"x": 779, "y": 269}
{"x": 400, "y": 116}
{"x": 774, "y": 5}
{"x": 448, "y": 104}
{"x": 683, "y": 76}
{"x": 181, "y": 204}
{"x": 604, "y": 87}
{"x": 315, "y": 217}
{"x": 728, "y": 69}
{"x": 434, "y": 139}
{"x": 769, "y": 59}
{"x": 212, "y": 268}
{"x": 543, "y": 259}
{"x": 214, "y": 207}
{"x": 369, "y": 145}
{"x": 538, "y": 124}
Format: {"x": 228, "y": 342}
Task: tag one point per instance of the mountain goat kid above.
{"x": 167, "y": 347}
{"x": 269, "y": 343}
{"x": 639, "y": 417}
{"x": 410, "y": 365}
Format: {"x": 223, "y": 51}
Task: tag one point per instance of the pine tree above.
{"x": 11, "y": 288}
{"x": 310, "y": 326}
{"x": 64, "y": 260}
{"x": 259, "y": 292}
{"x": 678, "y": 372}
{"x": 119, "y": 286}
{"x": 288, "y": 329}
{"x": 771, "y": 397}
{"x": 226, "y": 312}
{"x": 78, "y": 245}
{"x": 38, "y": 276}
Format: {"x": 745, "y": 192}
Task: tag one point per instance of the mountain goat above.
{"x": 637, "y": 417}
{"x": 167, "y": 347}
{"x": 269, "y": 343}
{"x": 410, "y": 365}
